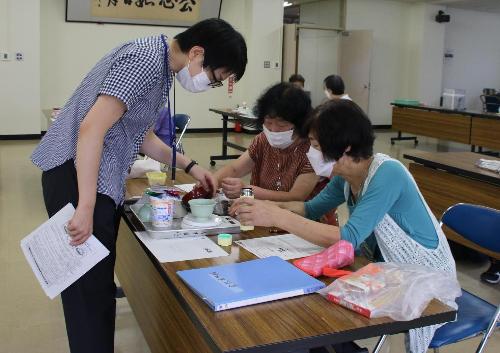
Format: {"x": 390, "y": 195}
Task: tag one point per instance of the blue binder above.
{"x": 247, "y": 283}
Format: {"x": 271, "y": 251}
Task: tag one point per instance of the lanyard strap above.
{"x": 170, "y": 117}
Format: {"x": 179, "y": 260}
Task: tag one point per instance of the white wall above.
{"x": 474, "y": 38}
{"x": 264, "y": 26}
{"x": 424, "y": 54}
{"x": 407, "y": 57}
{"x": 388, "y": 20}
{"x": 20, "y": 80}
{"x": 326, "y": 13}
{"x": 69, "y": 50}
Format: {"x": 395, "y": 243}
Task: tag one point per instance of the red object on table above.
{"x": 198, "y": 192}
{"x": 237, "y": 127}
{"x": 333, "y": 272}
{"x": 338, "y": 255}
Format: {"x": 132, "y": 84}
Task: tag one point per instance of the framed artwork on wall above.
{"x": 172, "y": 13}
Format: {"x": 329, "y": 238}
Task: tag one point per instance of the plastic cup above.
{"x": 162, "y": 214}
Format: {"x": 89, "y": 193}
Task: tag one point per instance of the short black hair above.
{"x": 224, "y": 46}
{"x": 338, "y": 124}
{"x": 335, "y": 84}
{"x": 285, "y": 101}
{"x": 296, "y": 78}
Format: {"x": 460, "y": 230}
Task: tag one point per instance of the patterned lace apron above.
{"x": 396, "y": 246}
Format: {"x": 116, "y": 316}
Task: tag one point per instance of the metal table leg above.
{"x": 226, "y": 144}
{"x": 403, "y": 138}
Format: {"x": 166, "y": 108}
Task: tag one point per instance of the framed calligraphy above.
{"x": 172, "y": 13}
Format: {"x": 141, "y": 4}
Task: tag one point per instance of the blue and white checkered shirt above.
{"x": 137, "y": 73}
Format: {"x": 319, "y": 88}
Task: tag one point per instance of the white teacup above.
{"x": 202, "y": 208}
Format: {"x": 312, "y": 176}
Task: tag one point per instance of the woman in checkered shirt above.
{"x": 88, "y": 151}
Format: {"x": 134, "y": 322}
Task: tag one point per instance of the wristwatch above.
{"x": 190, "y": 166}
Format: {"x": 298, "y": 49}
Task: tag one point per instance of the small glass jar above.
{"x": 248, "y": 193}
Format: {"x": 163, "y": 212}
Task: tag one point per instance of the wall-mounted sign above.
{"x": 230, "y": 86}
{"x": 176, "y": 13}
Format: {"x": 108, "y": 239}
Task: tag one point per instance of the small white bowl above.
{"x": 202, "y": 208}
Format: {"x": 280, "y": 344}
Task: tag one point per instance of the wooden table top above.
{"x": 461, "y": 163}
{"x": 474, "y": 113}
{"x": 305, "y": 321}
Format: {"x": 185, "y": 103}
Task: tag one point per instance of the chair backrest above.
{"x": 490, "y": 103}
{"x": 479, "y": 224}
{"x": 162, "y": 127}
{"x": 181, "y": 122}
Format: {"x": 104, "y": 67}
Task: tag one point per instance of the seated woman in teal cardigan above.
{"x": 381, "y": 195}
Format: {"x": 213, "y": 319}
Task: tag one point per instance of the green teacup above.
{"x": 202, "y": 208}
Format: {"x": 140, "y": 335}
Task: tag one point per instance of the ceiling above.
{"x": 492, "y": 6}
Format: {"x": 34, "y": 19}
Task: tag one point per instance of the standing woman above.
{"x": 88, "y": 151}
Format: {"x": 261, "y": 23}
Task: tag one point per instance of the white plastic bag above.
{"x": 142, "y": 166}
{"x": 399, "y": 291}
{"x": 221, "y": 203}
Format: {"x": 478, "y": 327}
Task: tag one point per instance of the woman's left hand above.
{"x": 232, "y": 187}
{"x": 206, "y": 178}
{"x": 255, "y": 212}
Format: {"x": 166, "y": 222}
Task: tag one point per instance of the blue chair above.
{"x": 181, "y": 122}
{"x": 475, "y": 316}
{"x": 162, "y": 129}
{"x": 480, "y": 225}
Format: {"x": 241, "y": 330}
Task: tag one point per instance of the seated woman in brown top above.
{"x": 277, "y": 156}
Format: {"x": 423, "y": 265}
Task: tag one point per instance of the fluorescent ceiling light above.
{"x": 286, "y": 4}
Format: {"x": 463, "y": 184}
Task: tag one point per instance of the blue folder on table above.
{"x": 251, "y": 282}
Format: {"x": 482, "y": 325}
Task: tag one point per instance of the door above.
{"x": 289, "y": 61}
{"x": 354, "y": 65}
{"x": 317, "y": 53}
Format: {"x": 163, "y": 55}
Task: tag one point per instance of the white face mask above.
{"x": 321, "y": 168}
{"x": 279, "y": 140}
{"x": 197, "y": 83}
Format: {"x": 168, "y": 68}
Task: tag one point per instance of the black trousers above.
{"x": 89, "y": 303}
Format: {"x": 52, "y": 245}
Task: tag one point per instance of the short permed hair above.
{"x": 224, "y": 46}
{"x": 285, "y": 101}
{"x": 338, "y": 124}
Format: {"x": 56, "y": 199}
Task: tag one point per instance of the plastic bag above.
{"x": 338, "y": 255}
{"x": 142, "y": 166}
{"x": 222, "y": 204}
{"x": 399, "y": 291}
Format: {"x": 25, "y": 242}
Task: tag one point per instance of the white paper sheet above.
{"x": 55, "y": 263}
{"x": 181, "y": 249}
{"x": 185, "y": 187}
{"x": 286, "y": 246}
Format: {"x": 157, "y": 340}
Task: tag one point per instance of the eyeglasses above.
{"x": 216, "y": 83}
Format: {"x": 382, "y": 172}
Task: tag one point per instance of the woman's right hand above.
{"x": 205, "y": 178}
{"x": 256, "y": 212}
{"x": 80, "y": 225}
{"x": 232, "y": 187}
